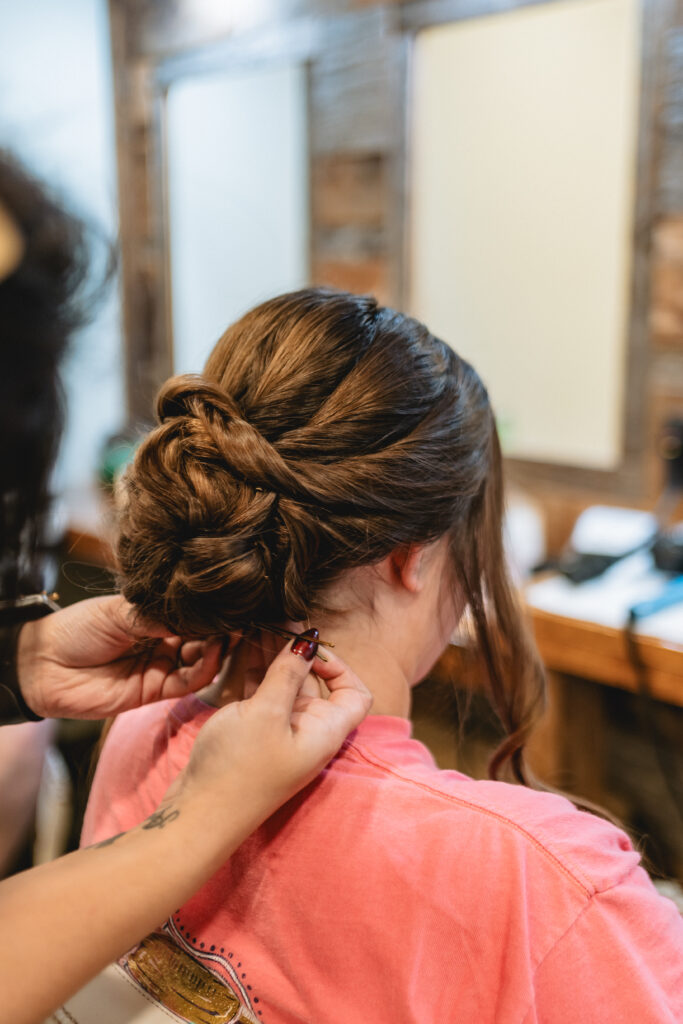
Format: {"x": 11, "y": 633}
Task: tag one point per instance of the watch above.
{"x": 13, "y": 615}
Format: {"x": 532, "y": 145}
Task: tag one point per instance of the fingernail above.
{"x": 306, "y": 644}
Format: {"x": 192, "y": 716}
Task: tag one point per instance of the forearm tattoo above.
{"x": 106, "y": 842}
{"x": 162, "y": 817}
{"x": 159, "y": 819}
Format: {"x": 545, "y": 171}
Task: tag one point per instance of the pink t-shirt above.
{"x": 391, "y": 892}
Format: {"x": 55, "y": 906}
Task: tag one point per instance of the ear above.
{"x": 406, "y": 564}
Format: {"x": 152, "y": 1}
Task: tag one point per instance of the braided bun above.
{"x": 324, "y": 433}
{"x": 200, "y": 541}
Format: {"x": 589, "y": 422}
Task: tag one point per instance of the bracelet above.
{"x": 13, "y": 616}
{"x": 13, "y": 707}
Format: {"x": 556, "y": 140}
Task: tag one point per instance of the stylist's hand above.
{"x": 94, "y": 659}
{"x": 265, "y": 749}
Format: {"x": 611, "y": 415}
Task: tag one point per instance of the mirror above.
{"x": 523, "y": 162}
{"x": 237, "y": 198}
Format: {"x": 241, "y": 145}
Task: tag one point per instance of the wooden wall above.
{"x": 358, "y": 52}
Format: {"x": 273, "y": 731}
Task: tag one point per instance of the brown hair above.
{"x": 324, "y": 433}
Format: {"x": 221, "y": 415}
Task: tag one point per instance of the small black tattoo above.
{"x": 106, "y": 842}
{"x": 161, "y": 818}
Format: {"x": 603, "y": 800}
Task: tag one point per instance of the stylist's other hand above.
{"x": 94, "y": 659}
{"x": 265, "y": 749}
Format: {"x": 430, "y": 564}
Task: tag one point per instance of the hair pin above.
{"x": 289, "y": 635}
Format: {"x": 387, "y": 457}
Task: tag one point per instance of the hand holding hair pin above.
{"x": 308, "y": 636}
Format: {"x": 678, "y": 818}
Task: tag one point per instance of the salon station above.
{"x": 509, "y": 172}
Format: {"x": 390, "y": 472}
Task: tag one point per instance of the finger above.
{"x": 347, "y": 691}
{"x": 163, "y": 651}
{"x": 337, "y": 673}
{"x": 201, "y": 672}
{"x": 283, "y": 680}
{"x": 171, "y": 643}
{"x": 192, "y": 651}
{"x": 161, "y": 680}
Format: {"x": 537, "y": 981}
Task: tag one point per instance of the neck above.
{"x": 359, "y": 643}
{"x": 373, "y": 658}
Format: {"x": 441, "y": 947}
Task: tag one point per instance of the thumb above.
{"x": 347, "y": 691}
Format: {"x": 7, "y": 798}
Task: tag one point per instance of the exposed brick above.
{"x": 666, "y": 313}
{"x": 364, "y": 277}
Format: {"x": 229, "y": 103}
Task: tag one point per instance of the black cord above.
{"x": 667, "y": 762}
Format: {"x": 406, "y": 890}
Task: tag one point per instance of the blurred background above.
{"x": 510, "y": 171}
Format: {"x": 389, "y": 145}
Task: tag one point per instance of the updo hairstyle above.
{"x": 324, "y": 433}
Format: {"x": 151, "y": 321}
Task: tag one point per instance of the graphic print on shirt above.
{"x": 196, "y": 987}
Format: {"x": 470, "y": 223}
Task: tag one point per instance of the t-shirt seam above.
{"x": 588, "y": 905}
{"x": 575, "y": 920}
{"x": 573, "y": 875}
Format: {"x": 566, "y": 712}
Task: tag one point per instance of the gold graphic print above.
{"x": 181, "y": 984}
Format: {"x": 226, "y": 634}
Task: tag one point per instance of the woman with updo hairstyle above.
{"x": 336, "y": 470}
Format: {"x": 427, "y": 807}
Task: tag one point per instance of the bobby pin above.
{"x": 288, "y": 635}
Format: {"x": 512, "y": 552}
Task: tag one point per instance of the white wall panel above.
{"x": 523, "y": 160}
{"x": 238, "y": 198}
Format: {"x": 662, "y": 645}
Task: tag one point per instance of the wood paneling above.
{"x": 354, "y": 84}
{"x": 670, "y": 199}
{"x": 141, "y": 224}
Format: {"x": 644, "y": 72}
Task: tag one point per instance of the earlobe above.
{"x": 406, "y": 563}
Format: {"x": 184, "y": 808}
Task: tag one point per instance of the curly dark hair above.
{"x": 41, "y": 304}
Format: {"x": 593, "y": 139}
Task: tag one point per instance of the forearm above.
{"x": 63, "y": 922}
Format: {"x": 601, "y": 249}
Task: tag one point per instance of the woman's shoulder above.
{"x": 499, "y": 824}
{"x": 522, "y": 879}
{"x": 592, "y": 852}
